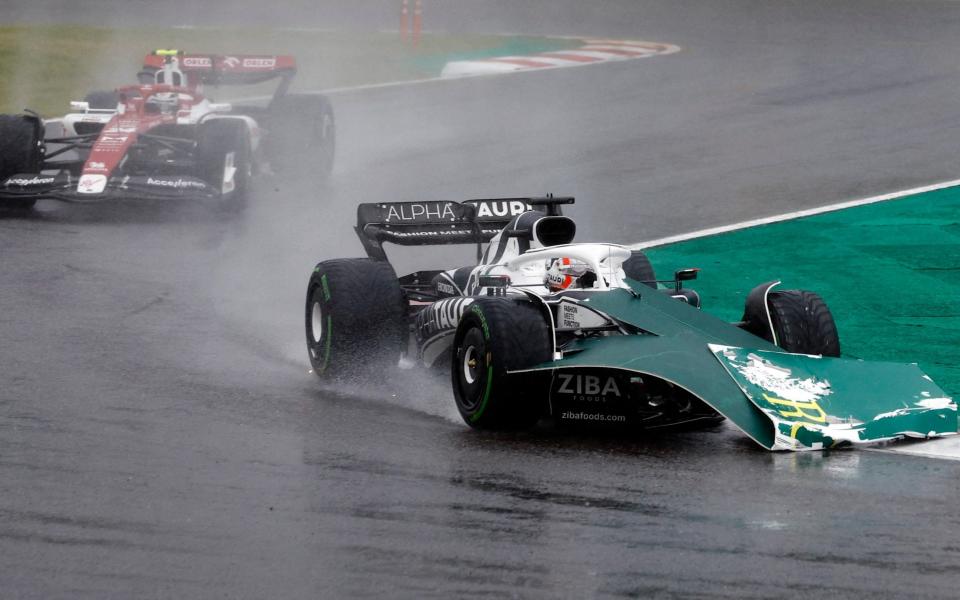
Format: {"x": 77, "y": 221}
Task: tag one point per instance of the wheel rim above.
{"x": 316, "y": 322}
{"x": 471, "y": 368}
{"x": 469, "y": 365}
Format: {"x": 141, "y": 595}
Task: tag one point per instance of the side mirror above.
{"x": 77, "y": 106}
{"x": 684, "y": 275}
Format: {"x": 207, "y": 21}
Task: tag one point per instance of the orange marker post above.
{"x": 417, "y": 21}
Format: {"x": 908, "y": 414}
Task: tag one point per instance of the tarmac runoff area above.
{"x": 888, "y": 268}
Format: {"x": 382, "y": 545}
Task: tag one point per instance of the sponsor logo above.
{"x": 445, "y": 288}
{"x": 231, "y": 62}
{"x": 96, "y": 166}
{"x": 178, "y": 184}
{"x": 501, "y": 208}
{"x": 568, "y": 317}
{"x": 259, "y": 63}
{"x": 560, "y": 280}
{"x": 112, "y": 143}
{"x": 420, "y": 212}
{"x": 197, "y": 61}
{"x": 571, "y": 315}
{"x": 449, "y": 316}
{"x": 588, "y": 388}
{"x": 35, "y": 180}
{"x": 570, "y": 415}
{"x": 438, "y": 233}
{"x": 92, "y": 184}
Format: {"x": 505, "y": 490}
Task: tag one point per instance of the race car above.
{"x": 164, "y": 138}
{"x": 584, "y": 333}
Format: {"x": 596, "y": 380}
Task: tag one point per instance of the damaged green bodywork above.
{"x": 782, "y": 401}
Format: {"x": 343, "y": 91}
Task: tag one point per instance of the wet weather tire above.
{"x": 356, "y": 321}
{"x": 102, "y": 99}
{"x": 638, "y": 268}
{"x": 20, "y": 152}
{"x": 224, "y": 157}
{"x": 803, "y": 323}
{"x": 302, "y": 136}
{"x": 497, "y": 335}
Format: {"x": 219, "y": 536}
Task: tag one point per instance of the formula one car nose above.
{"x": 584, "y": 333}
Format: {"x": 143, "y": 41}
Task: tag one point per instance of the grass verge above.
{"x": 43, "y": 67}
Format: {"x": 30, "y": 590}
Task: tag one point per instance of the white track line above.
{"x": 791, "y": 215}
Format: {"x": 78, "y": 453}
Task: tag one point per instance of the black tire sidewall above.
{"x": 302, "y": 135}
{"x": 217, "y": 138}
{"x": 102, "y": 99}
{"x": 638, "y": 268}
{"x": 364, "y": 325}
{"x": 20, "y": 152}
{"x": 803, "y": 323}
{"x": 515, "y": 335}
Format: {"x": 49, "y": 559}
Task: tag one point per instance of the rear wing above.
{"x": 439, "y": 222}
{"x": 234, "y": 69}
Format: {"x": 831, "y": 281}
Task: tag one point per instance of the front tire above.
{"x": 224, "y": 157}
{"x": 21, "y": 145}
{"x": 803, "y": 324}
{"x": 356, "y": 322}
{"x": 495, "y": 336}
{"x": 102, "y": 99}
{"x": 638, "y": 268}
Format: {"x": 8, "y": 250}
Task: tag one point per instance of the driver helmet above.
{"x": 165, "y": 103}
{"x": 567, "y": 273}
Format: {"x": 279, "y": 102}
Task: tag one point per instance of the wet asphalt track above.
{"x": 160, "y": 435}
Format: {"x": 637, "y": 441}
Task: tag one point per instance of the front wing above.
{"x": 783, "y": 401}
{"x": 62, "y": 185}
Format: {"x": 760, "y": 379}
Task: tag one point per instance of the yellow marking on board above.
{"x": 799, "y": 409}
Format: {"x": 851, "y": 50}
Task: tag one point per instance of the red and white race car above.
{"x": 164, "y": 138}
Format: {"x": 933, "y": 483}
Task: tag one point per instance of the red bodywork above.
{"x": 131, "y": 121}
{"x": 127, "y": 125}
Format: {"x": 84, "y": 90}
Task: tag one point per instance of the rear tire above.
{"x": 102, "y": 99}
{"x": 302, "y": 135}
{"x": 224, "y": 144}
{"x": 638, "y": 268}
{"x": 20, "y": 152}
{"x": 497, "y": 335}
{"x": 356, "y": 321}
{"x": 803, "y": 323}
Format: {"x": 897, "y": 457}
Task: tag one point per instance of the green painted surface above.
{"x": 782, "y": 401}
{"x": 678, "y": 352}
{"x": 818, "y": 402}
{"x": 890, "y": 273}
